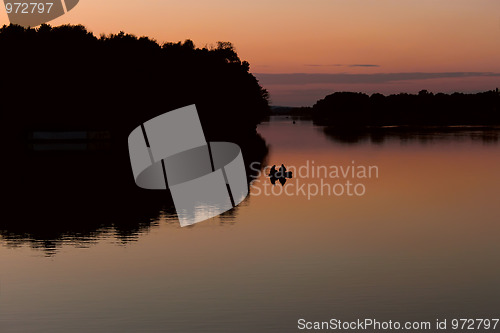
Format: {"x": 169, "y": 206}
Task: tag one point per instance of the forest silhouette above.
{"x": 352, "y": 111}
{"x": 61, "y": 78}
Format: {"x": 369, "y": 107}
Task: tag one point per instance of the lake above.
{"x": 398, "y": 227}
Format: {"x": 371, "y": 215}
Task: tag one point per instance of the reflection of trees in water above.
{"x": 76, "y": 198}
{"x": 429, "y": 135}
{"x": 73, "y": 198}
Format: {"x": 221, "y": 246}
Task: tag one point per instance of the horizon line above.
{"x": 370, "y": 78}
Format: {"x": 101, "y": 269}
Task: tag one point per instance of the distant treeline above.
{"x": 65, "y": 78}
{"x": 358, "y": 110}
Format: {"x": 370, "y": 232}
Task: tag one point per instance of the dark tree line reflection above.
{"x": 429, "y": 135}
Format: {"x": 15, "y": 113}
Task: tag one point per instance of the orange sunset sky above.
{"x": 302, "y": 50}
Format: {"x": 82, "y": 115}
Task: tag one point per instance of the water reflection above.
{"x": 485, "y": 135}
{"x": 72, "y": 198}
{"x": 76, "y": 198}
{"x": 422, "y": 239}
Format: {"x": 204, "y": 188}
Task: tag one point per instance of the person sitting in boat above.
{"x": 273, "y": 171}
{"x": 280, "y": 175}
{"x": 282, "y": 172}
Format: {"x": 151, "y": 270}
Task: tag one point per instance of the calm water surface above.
{"x": 422, "y": 243}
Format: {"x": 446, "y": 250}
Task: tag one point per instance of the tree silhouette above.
{"x": 66, "y": 78}
{"x": 349, "y": 111}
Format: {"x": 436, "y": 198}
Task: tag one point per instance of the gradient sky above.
{"x": 455, "y": 44}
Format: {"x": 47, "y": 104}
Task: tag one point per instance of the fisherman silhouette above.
{"x": 280, "y": 175}
{"x": 273, "y": 171}
{"x": 282, "y": 172}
